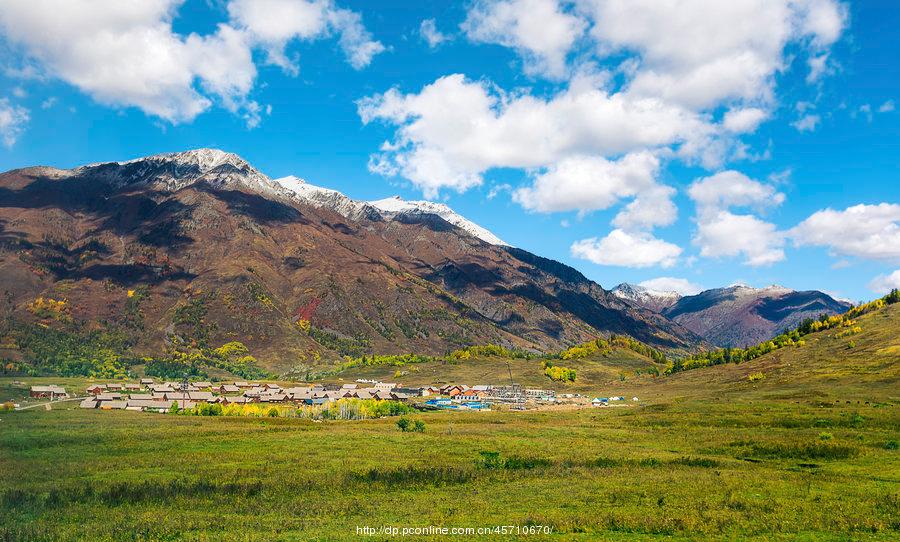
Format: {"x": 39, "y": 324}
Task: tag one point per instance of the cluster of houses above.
{"x": 148, "y": 395}
{"x": 151, "y": 396}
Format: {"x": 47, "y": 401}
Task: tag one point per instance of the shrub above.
{"x": 756, "y": 377}
{"x": 403, "y": 424}
{"x": 892, "y": 444}
{"x": 825, "y": 436}
{"x": 419, "y": 426}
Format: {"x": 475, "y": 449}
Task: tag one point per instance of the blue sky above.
{"x": 759, "y": 138}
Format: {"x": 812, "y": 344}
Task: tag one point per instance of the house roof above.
{"x": 48, "y": 389}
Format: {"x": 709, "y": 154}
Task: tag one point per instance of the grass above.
{"x": 680, "y": 470}
{"x": 706, "y": 454}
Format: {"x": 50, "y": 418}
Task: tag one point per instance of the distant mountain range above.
{"x": 200, "y": 248}
{"x": 737, "y": 315}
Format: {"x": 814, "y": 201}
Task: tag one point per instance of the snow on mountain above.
{"x": 655, "y": 300}
{"x": 396, "y": 205}
{"x": 319, "y": 197}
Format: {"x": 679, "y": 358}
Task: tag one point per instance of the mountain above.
{"x": 195, "y": 249}
{"x": 740, "y": 315}
{"x": 655, "y": 300}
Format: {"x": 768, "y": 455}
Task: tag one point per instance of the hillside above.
{"x": 183, "y": 252}
{"x": 839, "y": 364}
{"x": 594, "y": 372}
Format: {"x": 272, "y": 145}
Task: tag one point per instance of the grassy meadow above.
{"x": 810, "y": 450}
{"x": 681, "y": 470}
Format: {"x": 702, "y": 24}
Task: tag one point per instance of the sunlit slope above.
{"x": 593, "y": 372}
{"x": 858, "y": 363}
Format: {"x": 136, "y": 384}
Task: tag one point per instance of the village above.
{"x": 150, "y": 396}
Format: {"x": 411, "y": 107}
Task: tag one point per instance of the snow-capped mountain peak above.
{"x": 395, "y": 205}
{"x": 176, "y": 170}
{"x": 646, "y": 297}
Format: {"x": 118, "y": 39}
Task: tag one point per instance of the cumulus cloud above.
{"x": 721, "y": 233}
{"x": 128, "y": 54}
{"x": 624, "y": 249}
{"x": 864, "y": 231}
{"x": 672, "y": 284}
{"x": 432, "y": 36}
{"x": 883, "y": 284}
{"x": 13, "y": 119}
{"x": 588, "y": 183}
{"x": 732, "y": 189}
{"x": 539, "y": 30}
{"x": 886, "y": 107}
{"x": 455, "y": 129}
{"x": 725, "y": 234}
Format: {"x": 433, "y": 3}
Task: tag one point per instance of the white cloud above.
{"x": 454, "y": 130}
{"x": 625, "y": 249}
{"x": 725, "y": 234}
{"x": 588, "y": 183}
{"x": 865, "y": 231}
{"x": 432, "y": 36}
{"x": 672, "y": 284}
{"x": 745, "y": 120}
{"x": 652, "y": 207}
{"x": 49, "y": 102}
{"x": 13, "y": 119}
{"x": 886, "y": 107}
{"x": 732, "y": 189}
{"x": 883, "y": 284}
{"x": 19, "y": 92}
{"x": 127, "y": 53}
{"x": 721, "y": 233}
{"x": 539, "y": 30}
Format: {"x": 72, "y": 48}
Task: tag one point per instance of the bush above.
{"x": 419, "y": 426}
{"x": 403, "y": 424}
{"x": 756, "y": 377}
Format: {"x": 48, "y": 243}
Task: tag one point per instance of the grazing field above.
{"x": 672, "y": 470}
{"x": 800, "y": 444}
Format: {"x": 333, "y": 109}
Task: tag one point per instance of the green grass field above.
{"x": 808, "y": 452}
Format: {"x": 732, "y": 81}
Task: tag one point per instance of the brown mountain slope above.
{"x": 201, "y": 247}
{"x": 742, "y": 316}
